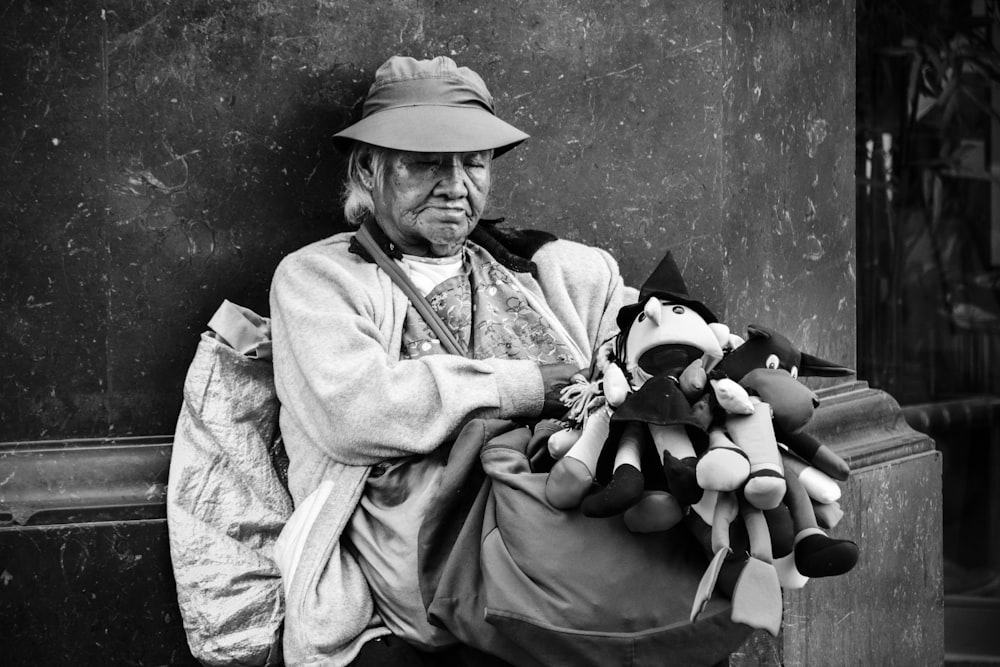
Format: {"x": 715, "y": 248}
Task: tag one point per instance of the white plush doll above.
{"x": 667, "y": 345}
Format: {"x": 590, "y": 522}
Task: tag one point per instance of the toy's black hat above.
{"x": 665, "y": 282}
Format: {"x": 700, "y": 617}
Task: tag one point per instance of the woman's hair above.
{"x": 357, "y": 198}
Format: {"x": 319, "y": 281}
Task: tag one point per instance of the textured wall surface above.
{"x": 92, "y": 594}
{"x": 789, "y": 234}
{"x": 161, "y": 156}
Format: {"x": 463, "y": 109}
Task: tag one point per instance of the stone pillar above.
{"x": 788, "y": 196}
{"x": 789, "y": 237}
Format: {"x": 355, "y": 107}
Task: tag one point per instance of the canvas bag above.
{"x": 227, "y": 499}
{"x": 507, "y": 573}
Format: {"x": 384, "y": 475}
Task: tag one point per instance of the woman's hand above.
{"x": 555, "y": 377}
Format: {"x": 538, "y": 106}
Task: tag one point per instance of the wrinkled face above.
{"x": 429, "y": 203}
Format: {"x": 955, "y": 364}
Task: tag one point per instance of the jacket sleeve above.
{"x": 342, "y": 386}
{"x": 584, "y": 287}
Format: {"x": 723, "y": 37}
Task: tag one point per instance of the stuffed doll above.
{"x": 668, "y": 341}
{"x": 767, "y": 365}
{"x": 786, "y": 545}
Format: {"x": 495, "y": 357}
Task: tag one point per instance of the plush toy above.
{"x": 767, "y": 365}
{"x": 668, "y": 343}
{"x": 667, "y": 392}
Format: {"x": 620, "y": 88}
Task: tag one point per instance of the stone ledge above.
{"x": 865, "y": 426}
{"x": 101, "y": 479}
{"x": 83, "y": 481}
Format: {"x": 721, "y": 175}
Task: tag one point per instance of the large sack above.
{"x": 507, "y": 573}
{"x": 226, "y": 496}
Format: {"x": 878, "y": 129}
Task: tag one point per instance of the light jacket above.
{"x": 348, "y": 401}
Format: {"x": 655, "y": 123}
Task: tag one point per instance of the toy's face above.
{"x": 767, "y": 364}
{"x": 662, "y": 323}
{"x": 772, "y": 351}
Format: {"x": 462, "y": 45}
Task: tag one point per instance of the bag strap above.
{"x": 433, "y": 320}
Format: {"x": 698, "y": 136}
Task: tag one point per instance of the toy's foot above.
{"x": 765, "y": 489}
{"x": 656, "y": 511}
{"x": 818, "y": 555}
{"x": 567, "y": 484}
{"x": 722, "y": 469}
{"x": 623, "y": 491}
{"x": 682, "y": 478}
{"x": 707, "y": 584}
{"x": 757, "y": 597}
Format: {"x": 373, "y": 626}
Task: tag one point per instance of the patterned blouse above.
{"x": 486, "y": 311}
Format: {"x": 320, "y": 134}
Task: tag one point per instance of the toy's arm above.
{"x": 616, "y": 386}
{"x": 821, "y": 487}
{"x": 693, "y": 380}
{"x": 731, "y": 397}
{"x": 815, "y": 453}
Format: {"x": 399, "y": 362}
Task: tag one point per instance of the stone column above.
{"x": 789, "y": 231}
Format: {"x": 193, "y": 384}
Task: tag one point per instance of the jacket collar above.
{"x": 513, "y": 248}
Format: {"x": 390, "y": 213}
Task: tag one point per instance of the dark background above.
{"x": 158, "y": 157}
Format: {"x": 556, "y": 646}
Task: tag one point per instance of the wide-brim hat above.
{"x": 429, "y": 106}
{"x": 667, "y": 283}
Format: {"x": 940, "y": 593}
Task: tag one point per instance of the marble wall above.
{"x": 789, "y": 188}
{"x": 160, "y": 157}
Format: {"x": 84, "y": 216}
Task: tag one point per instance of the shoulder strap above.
{"x": 416, "y": 298}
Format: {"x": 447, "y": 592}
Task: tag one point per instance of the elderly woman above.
{"x": 368, "y": 393}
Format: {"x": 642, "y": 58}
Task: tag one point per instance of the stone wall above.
{"x": 160, "y": 157}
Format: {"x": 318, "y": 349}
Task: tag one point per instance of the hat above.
{"x": 429, "y": 106}
{"x": 665, "y": 282}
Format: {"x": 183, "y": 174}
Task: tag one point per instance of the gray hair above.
{"x": 357, "y": 198}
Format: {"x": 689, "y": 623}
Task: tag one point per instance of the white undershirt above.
{"x": 429, "y": 272}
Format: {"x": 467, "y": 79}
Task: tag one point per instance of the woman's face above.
{"x": 428, "y": 203}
